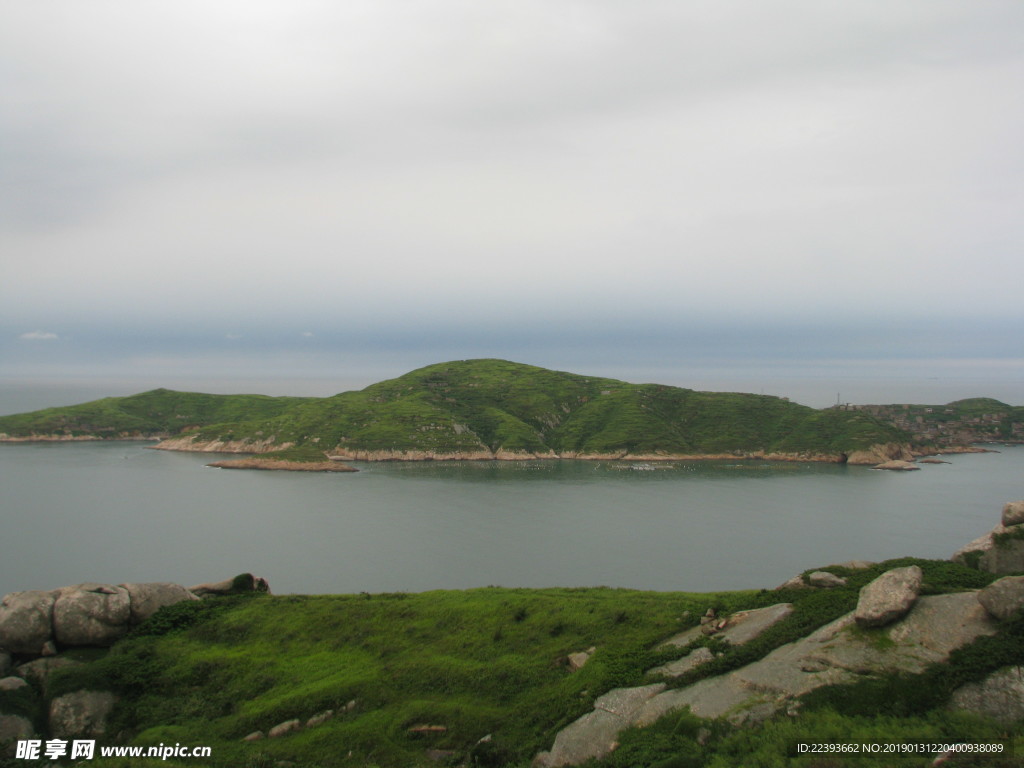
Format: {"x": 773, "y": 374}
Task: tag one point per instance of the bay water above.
{"x": 119, "y": 512}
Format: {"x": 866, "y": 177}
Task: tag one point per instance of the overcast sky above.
{"x": 301, "y": 196}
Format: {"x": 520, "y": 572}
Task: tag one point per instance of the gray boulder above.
{"x": 576, "y": 661}
{"x": 81, "y": 715}
{"x": 1004, "y": 599}
{"x": 1001, "y": 550}
{"x": 39, "y": 670}
{"x": 596, "y": 734}
{"x": 320, "y": 718}
{"x": 999, "y": 696}
{"x": 797, "y": 582}
{"x": 26, "y": 621}
{"x": 1006, "y": 555}
{"x": 13, "y": 728}
{"x": 147, "y": 599}
{"x": 825, "y": 579}
{"x": 281, "y": 729}
{"x": 1013, "y": 513}
{"x": 5, "y": 662}
{"x": 91, "y": 614}
{"x": 832, "y": 654}
{"x": 680, "y": 667}
{"x": 12, "y": 683}
{"x": 740, "y": 628}
{"x": 889, "y": 597}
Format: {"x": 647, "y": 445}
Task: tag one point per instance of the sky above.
{"x": 810, "y": 198}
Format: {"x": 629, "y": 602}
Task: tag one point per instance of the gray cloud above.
{"x": 574, "y": 170}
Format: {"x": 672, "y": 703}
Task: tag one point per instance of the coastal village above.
{"x": 978, "y": 420}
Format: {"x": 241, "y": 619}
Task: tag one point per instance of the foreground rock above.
{"x": 831, "y": 655}
{"x": 1013, "y": 513}
{"x": 81, "y": 715}
{"x": 26, "y": 622}
{"x": 999, "y": 696}
{"x": 740, "y": 628}
{"x": 1001, "y": 550}
{"x": 1004, "y": 599}
{"x": 13, "y": 728}
{"x": 595, "y": 734}
{"x": 888, "y": 597}
{"x": 39, "y": 623}
{"x": 834, "y": 654}
{"x": 147, "y": 599}
{"x": 91, "y": 614}
{"x": 38, "y": 671}
{"x": 825, "y": 580}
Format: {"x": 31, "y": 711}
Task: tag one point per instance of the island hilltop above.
{"x": 490, "y": 409}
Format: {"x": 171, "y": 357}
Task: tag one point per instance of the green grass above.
{"x": 483, "y": 662}
{"x": 487, "y": 661}
{"x": 157, "y": 412}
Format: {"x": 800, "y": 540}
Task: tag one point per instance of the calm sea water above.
{"x": 119, "y": 512}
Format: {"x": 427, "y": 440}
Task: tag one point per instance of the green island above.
{"x": 912, "y": 653}
{"x": 495, "y": 409}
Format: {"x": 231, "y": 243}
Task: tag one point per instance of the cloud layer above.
{"x": 816, "y": 179}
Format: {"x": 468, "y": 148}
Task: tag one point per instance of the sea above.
{"x": 116, "y": 512}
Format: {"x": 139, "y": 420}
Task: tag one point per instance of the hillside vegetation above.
{"x": 480, "y": 677}
{"x": 155, "y": 413}
{"x": 477, "y": 409}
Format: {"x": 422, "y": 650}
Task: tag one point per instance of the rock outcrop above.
{"x": 825, "y": 580}
{"x": 595, "y": 734}
{"x": 1013, "y": 513}
{"x": 192, "y": 443}
{"x": 81, "y": 715}
{"x": 1001, "y": 550}
{"x": 26, "y": 621}
{"x": 1004, "y": 599}
{"x": 933, "y": 628}
{"x": 91, "y": 614}
{"x": 13, "y": 728}
{"x": 740, "y": 628}
{"x": 898, "y": 465}
{"x": 12, "y": 683}
{"x": 881, "y": 453}
{"x": 888, "y": 597}
{"x": 146, "y": 599}
{"x": 999, "y": 696}
{"x": 38, "y": 623}
{"x": 38, "y": 671}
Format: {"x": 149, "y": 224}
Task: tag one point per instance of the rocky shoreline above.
{"x": 876, "y": 454}
{"x": 885, "y": 456}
